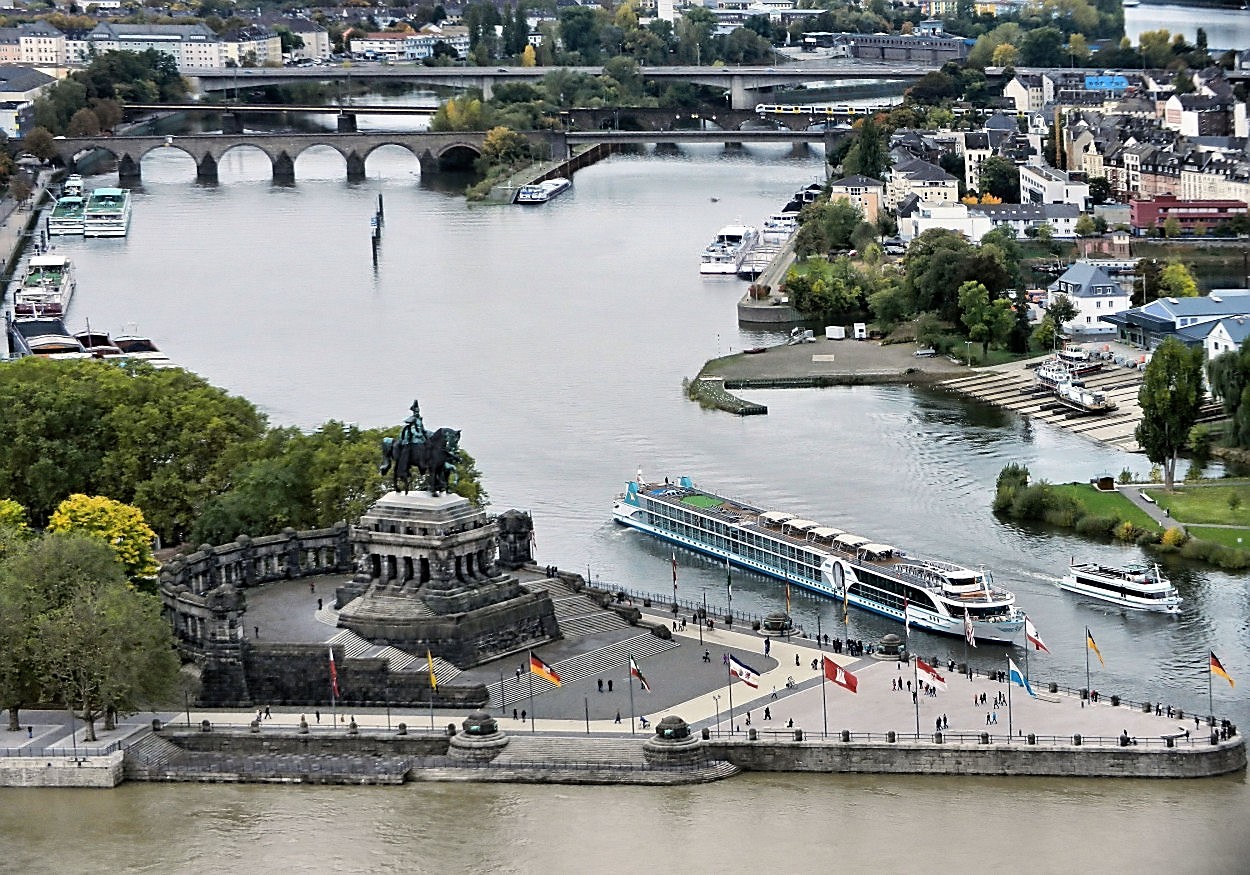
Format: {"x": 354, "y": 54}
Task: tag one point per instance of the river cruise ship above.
{"x": 107, "y": 213}
{"x": 47, "y": 288}
{"x": 831, "y": 562}
{"x": 1136, "y": 586}
{"x": 541, "y": 192}
{"x": 66, "y": 218}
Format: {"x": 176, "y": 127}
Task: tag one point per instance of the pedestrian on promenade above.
{"x": 609, "y": 685}
{"x": 994, "y": 721}
{"x": 796, "y": 660}
{"x": 518, "y": 673}
{"x": 774, "y": 695}
{"x": 748, "y": 718}
{"x": 514, "y": 714}
{"x": 312, "y": 586}
{"x": 767, "y": 645}
{"x": 522, "y": 716}
{"x": 256, "y": 630}
{"x": 618, "y": 717}
{"x": 268, "y": 716}
{"x": 937, "y": 724}
{"x": 643, "y": 722}
{"x": 707, "y": 656}
{"x": 318, "y": 604}
{"x": 317, "y": 714}
{"x": 601, "y": 685}
{"x": 914, "y": 697}
{"x": 987, "y": 718}
{"x": 946, "y": 724}
{"x": 768, "y": 713}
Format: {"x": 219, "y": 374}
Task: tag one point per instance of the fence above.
{"x": 846, "y": 736}
{"x": 84, "y": 751}
{"x": 694, "y": 607}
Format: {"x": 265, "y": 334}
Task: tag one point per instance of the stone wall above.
{"x": 336, "y": 744}
{"x": 1200, "y": 760}
{"x": 100, "y": 772}
{"x": 299, "y": 674}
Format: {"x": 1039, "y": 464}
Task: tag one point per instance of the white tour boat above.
{"x": 725, "y": 253}
{"x": 541, "y": 192}
{"x": 107, "y": 213}
{"x": 1136, "y": 586}
{"x": 47, "y": 288}
{"x": 66, "y": 218}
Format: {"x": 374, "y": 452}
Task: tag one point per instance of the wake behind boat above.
{"x": 828, "y": 561}
{"x": 1135, "y": 586}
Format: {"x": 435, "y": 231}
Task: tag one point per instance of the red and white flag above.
{"x": 1030, "y": 633}
{"x": 968, "y": 635}
{"x": 743, "y": 672}
{"x": 840, "y": 676}
{"x": 931, "y": 674}
{"x": 674, "y": 574}
{"x": 906, "y": 617}
{"x": 334, "y": 676}
{"x": 642, "y": 681}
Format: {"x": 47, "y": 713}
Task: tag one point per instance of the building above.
{"x": 1189, "y": 320}
{"x": 1148, "y": 217}
{"x": 19, "y": 86}
{"x": 863, "y": 191}
{"x": 190, "y": 45}
{"x": 388, "y": 45}
{"x": 1043, "y": 184}
{"x": 897, "y": 47}
{"x": 930, "y": 183}
{"x": 42, "y": 45}
{"x": 1227, "y": 335}
{"x": 252, "y": 46}
{"x": 1095, "y": 295}
{"x": 419, "y": 46}
{"x": 1201, "y": 115}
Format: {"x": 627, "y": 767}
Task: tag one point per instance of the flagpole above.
{"x": 1210, "y": 694}
{"x": 1087, "y": 662}
{"x": 633, "y": 720}
{"x": 1010, "y": 732}
{"x": 729, "y": 682}
{"x": 1026, "y": 650}
{"x": 702, "y": 618}
{"x": 915, "y": 669}
{"x": 532, "y": 714}
{"x": 824, "y": 711}
{"x": 729, "y": 594}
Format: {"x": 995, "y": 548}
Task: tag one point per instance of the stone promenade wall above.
{"x": 319, "y": 742}
{"x": 909, "y": 758}
{"x": 100, "y": 772}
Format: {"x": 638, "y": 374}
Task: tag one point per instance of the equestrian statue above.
{"x": 434, "y": 455}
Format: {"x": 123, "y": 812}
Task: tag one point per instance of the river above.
{"x": 1226, "y": 28}
{"x": 556, "y": 338}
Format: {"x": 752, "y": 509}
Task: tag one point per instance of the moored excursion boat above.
{"x": 541, "y": 192}
{"x": 725, "y": 253}
{"x": 875, "y": 577}
{"x": 72, "y": 186}
{"x": 47, "y": 288}
{"x": 1135, "y": 586}
{"x": 107, "y": 213}
{"x": 1076, "y": 395}
{"x": 66, "y": 218}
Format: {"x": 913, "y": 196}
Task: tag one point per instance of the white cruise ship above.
{"x": 1136, "y": 587}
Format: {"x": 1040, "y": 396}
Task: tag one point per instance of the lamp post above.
{"x": 717, "y": 700}
{"x": 968, "y": 353}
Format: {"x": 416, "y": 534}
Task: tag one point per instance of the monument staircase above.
{"x": 356, "y": 647}
{"x": 614, "y": 658}
{"x": 150, "y": 758}
{"x": 579, "y": 615}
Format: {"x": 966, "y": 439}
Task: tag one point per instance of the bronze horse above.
{"x": 435, "y": 459}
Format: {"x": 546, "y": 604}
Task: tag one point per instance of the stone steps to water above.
{"x": 150, "y": 755}
{"x": 613, "y": 657}
{"x": 565, "y": 749}
{"x": 577, "y": 613}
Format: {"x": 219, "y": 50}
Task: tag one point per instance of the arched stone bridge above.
{"x": 432, "y": 150}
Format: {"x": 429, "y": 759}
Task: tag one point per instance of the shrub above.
{"x": 1194, "y": 471}
{"x": 1126, "y": 476}
{"x": 1091, "y": 524}
{"x": 1126, "y": 531}
{"x": 1174, "y": 537}
{"x": 1156, "y": 474}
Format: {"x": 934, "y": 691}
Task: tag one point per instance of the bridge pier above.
{"x": 355, "y": 166}
{"x": 428, "y": 162}
{"x": 231, "y": 123}
{"x": 128, "y": 169}
{"x": 347, "y": 123}
{"x": 206, "y": 169}
{"x": 284, "y": 168}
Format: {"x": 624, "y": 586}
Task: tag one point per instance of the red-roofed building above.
{"x": 1147, "y": 215}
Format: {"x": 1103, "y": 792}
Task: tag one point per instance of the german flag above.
{"x": 1217, "y": 668}
{"x": 544, "y": 671}
{"x": 1090, "y": 643}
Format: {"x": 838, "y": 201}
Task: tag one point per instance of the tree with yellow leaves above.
{"x": 459, "y": 114}
{"x": 119, "y": 525}
{"x": 529, "y": 58}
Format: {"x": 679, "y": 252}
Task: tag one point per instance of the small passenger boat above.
{"x": 1135, "y": 586}
{"x": 541, "y": 192}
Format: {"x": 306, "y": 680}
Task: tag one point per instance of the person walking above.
{"x": 618, "y": 717}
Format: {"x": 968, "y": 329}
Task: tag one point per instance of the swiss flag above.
{"x": 840, "y": 676}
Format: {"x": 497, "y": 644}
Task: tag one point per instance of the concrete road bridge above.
{"x": 745, "y": 85}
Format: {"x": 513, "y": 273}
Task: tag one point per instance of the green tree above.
{"x": 1175, "y": 281}
{"x": 1170, "y": 399}
{"x": 84, "y": 123}
{"x": 1228, "y": 375}
{"x": 1062, "y": 311}
{"x": 1000, "y": 178}
{"x": 106, "y": 649}
{"x": 825, "y": 226}
{"x": 1171, "y": 227}
{"x": 868, "y": 155}
{"x": 1085, "y": 225}
{"x": 463, "y": 113}
{"x": 988, "y": 321}
{"x": 825, "y": 289}
{"x": 579, "y": 29}
{"x": 118, "y": 525}
{"x": 39, "y": 143}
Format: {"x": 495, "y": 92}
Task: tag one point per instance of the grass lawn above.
{"x": 1207, "y": 504}
{"x": 1239, "y": 538}
{"x": 1108, "y": 504}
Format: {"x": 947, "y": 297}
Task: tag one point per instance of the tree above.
{"x": 1085, "y": 225}
{"x": 1171, "y": 227}
{"x": 868, "y": 155}
{"x": 987, "y": 321}
{"x": 1099, "y": 190}
{"x": 118, "y": 525}
{"x": 1175, "y": 281}
{"x": 1170, "y": 398}
{"x": 1062, "y": 311}
{"x": 1000, "y": 178}
{"x": 1228, "y": 375}
{"x": 84, "y": 123}
{"x": 106, "y": 649}
{"x": 504, "y": 147}
{"x": 579, "y": 29}
{"x": 464, "y": 113}
{"x": 529, "y": 57}
{"x": 825, "y": 226}
{"x": 1005, "y": 55}
{"x": 39, "y": 143}
{"x": 13, "y": 516}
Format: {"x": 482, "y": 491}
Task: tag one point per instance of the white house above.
{"x": 930, "y": 183}
{"x": 1228, "y": 335}
{"x": 1043, "y": 184}
{"x": 1095, "y": 295}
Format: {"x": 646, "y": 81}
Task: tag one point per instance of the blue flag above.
{"x": 1015, "y": 676}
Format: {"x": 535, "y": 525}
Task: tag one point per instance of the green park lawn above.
{"x": 1239, "y": 537}
{"x": 1107, "y": 504}
{"x": 1207, "y": 504}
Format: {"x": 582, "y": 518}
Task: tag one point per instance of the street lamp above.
{"x": 968, "y": 353}
{"x": 717, "y": 699}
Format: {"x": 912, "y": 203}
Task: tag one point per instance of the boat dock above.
{"x": 1012, "y": 386}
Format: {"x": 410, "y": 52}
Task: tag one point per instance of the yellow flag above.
{"x": 429, "y": 660}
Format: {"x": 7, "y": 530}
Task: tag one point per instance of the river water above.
{"x": 556, "y": 338}
{"x": 1226, "y": 28}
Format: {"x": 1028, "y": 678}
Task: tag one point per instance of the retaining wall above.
{"x": 100, "y": 772}
{"x": 909, "y": 758}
